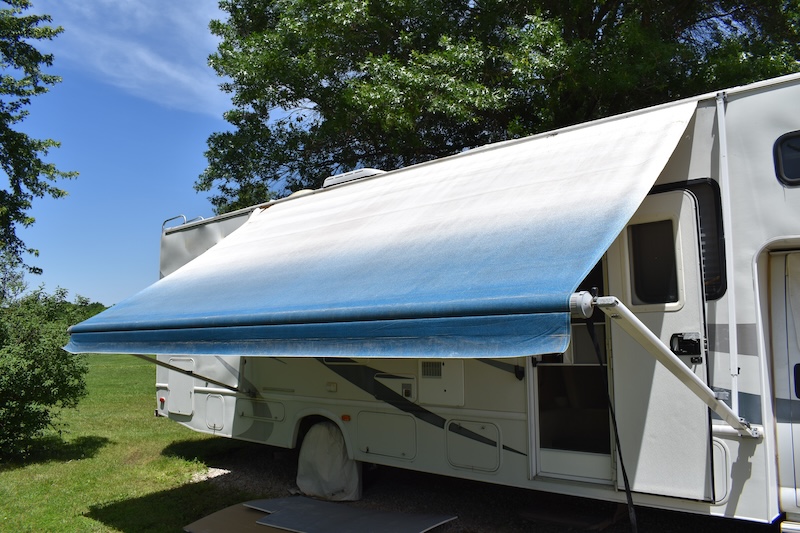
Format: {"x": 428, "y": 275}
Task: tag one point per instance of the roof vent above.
{"x": 351, "y": 176}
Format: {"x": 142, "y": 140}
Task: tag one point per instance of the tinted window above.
{"x": 655, "y": 276}
{"x": 787, "y": 158}
{"x": 573, "y": 402}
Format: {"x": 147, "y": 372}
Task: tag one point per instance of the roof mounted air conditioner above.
{"x": 351, "y": 176}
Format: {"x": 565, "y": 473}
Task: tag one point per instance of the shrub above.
{"x": 37, "y": 377}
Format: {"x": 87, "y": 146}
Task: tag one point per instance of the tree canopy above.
{"x": 21, "y": 78}
{"x": 321, "y": 87}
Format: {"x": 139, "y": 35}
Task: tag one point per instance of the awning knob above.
{"x": 581, "y": 304}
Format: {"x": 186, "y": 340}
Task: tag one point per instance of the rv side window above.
{"x": 787, "y": 158}
{"x": 654, "y": 270}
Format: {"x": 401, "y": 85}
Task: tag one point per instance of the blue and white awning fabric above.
{"x": 473, "y": 255}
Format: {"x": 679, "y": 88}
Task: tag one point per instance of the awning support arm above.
{"x": 582, "y": 303}
{"x": 190, "y": 373}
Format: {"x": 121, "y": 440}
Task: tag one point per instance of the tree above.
{"x": 321, "y": 87}
{"x": 28, "y": 175}
{"x": 12, "y": 278}
{"x": 37, "y": 378}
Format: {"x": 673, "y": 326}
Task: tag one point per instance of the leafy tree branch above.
{"x": 321, "y": 87}
{"x": 28, "y": 175}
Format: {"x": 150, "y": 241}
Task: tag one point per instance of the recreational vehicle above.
{"x": 609, "y": 304}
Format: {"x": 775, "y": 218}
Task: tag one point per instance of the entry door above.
{"x": 665, "y": 430}
{"x": 785, "y": 279}
{"x": 572, "y": 430}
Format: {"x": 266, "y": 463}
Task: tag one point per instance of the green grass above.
{"x": 117, "y": 468}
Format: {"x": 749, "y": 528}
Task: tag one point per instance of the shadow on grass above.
{"x": 166, "y": 511}
{"x": 56, "y": 448}
{"x": 245, "y": 471}
{"x": 212, "y": 449}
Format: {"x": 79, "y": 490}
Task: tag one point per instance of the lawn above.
{"x": 117, "y": 468}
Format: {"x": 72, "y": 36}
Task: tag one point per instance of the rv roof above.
{"x": 356, "y": 175}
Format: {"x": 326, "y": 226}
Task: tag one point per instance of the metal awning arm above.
{"x": 616, "y": 310}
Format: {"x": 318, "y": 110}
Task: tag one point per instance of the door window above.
{"x": 653, "y": 266}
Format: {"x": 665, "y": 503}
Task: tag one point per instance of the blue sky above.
{"x": 133, "y": 113}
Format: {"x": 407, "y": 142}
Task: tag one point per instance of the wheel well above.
{"x": 305, "y": 425}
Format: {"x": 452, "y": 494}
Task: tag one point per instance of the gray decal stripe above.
{"x": 787, "y": 411}
{"x": 747, "y": 338}
{"x": 363, "y": 377}
{"x": 749, "y": 405}
{"x": 458, "y": 429}
{"x": 507, "y": 367}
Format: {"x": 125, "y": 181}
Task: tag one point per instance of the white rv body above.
{"x": 732, "y": 229}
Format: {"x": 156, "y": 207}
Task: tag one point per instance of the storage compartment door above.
{"x": 181, "y": 387}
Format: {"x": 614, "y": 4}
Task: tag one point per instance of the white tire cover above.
{"x": 323, "y": 469}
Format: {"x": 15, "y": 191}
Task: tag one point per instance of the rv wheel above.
{"x": 323, "y": 468}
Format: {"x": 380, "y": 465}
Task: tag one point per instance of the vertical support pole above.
{"x": 727, "y": 224}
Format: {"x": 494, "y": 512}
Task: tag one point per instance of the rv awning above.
{"x": 474, "y": 255}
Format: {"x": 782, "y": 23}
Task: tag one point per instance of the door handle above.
{"x": 686, "y": 344}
